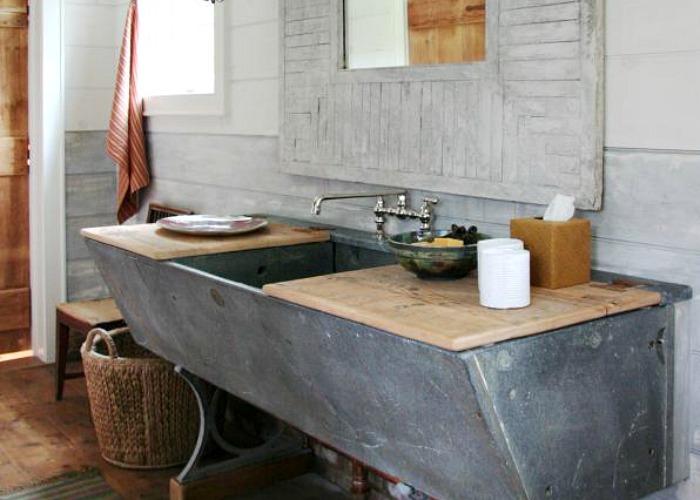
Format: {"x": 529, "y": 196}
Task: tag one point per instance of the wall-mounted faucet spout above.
{"x": 401, "y": 210}
{"x": 316, "y": 207}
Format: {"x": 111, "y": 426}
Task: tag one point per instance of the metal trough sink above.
{"x": 553, "y": 415}
{"x": 259, "y": 267}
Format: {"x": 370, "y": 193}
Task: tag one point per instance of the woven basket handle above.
{"x": 96, "y": 334}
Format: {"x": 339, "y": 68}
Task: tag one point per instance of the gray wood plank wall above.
{"x": 90, "y": 202}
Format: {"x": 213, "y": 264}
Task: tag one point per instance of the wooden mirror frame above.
{"x": 522, "y": 125}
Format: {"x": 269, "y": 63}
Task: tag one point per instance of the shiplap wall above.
{"x": 652, "y": 165}
{"x": 252, "y": 60}
{"x": 91, "y": 43}
{"x": 653, "y": 68}
{"x": 91, "y": 40}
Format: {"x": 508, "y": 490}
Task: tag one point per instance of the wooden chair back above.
{"x": 156, "y": 211}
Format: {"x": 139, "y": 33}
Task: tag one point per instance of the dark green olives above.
{"x": 468, "y": 236}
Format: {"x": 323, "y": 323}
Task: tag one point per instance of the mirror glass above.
{"x": 390, "y": 33}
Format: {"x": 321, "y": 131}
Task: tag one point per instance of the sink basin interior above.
{"x": 272, "y": 265}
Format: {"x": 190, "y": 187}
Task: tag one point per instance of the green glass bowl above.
{"x": 434, "y": 262}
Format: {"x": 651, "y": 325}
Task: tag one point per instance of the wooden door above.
{"x": 14, "y": 178}
{"x": 446, "y": 31}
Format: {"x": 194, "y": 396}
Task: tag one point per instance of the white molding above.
{"x": 46, "y": 177}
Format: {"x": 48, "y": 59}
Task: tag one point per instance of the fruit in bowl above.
{"x": 447, "y": 254}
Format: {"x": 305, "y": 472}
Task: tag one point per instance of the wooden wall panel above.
{"x": 13, "y": 156}
{"x": 13, "y": 341}
{"x": 446, "y": 31}
{"x": 13, "y": 112}
{"x": 14, "y": 178}
{"x": 523, "y": 125}
{"x": 14, "y": 232}
{"x": 13, "y": 20}
{"x": 426, "y": 14}
{"x": 14, "y": 5}
{"x": 14, "y": 309}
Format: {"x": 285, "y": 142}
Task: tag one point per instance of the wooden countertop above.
{"x": 447, "y": 314}
{"x": 152, "y": 241}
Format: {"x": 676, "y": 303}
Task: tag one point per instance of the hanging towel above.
{"x": 125, "y": 138}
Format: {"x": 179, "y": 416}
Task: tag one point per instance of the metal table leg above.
{"x": 280, "y": 444}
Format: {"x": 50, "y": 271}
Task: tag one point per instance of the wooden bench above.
{"x": 82, "y": 317}
{"x": 85, "y": 315}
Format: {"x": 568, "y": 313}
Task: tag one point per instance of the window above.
{"x": 181, "y": 57}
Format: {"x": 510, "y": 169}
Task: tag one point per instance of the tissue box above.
{"x": 560, "y": 252}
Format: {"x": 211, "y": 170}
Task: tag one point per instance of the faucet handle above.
{"x": 430, "y": 200}
{"x": 426, "y": 216}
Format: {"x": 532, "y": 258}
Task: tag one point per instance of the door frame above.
{"x": 46, "y": 174}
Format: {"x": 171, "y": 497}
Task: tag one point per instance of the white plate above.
{"x": 212, "y": 225}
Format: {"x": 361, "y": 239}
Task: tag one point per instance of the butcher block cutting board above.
{"x": 156, "y": 243}
{"x": 447, "y": 314}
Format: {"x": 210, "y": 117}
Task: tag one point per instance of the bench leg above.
{"x": 62, "y": 339}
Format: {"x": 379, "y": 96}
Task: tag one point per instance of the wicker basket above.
{"x": 145, "y": 415}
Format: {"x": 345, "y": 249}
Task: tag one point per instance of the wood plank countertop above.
{"x": 447, "y": 314}
{"x": 156, "y": 243}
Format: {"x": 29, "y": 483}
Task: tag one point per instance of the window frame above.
{"x": 197, "y": 104}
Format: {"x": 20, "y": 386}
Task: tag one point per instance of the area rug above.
{"x": 82, "y": 485}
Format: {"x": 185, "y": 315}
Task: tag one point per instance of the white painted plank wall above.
{"x": 252, "y": 74}
{"x": 652, "y": 71}
{"x": 653, "y": 74}
{"x": 92, "y": 37}
{"x": 93, "y": 34}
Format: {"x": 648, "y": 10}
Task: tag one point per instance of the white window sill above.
{"x": 185, "y": 105}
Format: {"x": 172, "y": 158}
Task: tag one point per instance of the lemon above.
{"x": 440, "y": 242}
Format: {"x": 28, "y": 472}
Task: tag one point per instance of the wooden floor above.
{"x": 41, "y": 438}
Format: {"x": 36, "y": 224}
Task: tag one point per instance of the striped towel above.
{"x": 125, "y": 139}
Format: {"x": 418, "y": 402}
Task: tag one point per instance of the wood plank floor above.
{"x": 41, "y": 438}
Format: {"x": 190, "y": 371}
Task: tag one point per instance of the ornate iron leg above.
{"x": 280, "y": 444}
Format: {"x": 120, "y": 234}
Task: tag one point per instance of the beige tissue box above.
{"x": 560, "y": 252}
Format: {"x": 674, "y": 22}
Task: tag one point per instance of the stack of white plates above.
{"x": 504, "y": 273}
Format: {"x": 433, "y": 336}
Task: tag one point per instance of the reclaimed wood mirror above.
{"x": 522, "y": 124}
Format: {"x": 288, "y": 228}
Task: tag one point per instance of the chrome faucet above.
{"x": 425, "y": 216}
{"x": 401, "y": 210}
{"x": 316, "y": 207}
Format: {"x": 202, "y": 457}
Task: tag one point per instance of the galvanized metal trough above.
{"x": 586, "y": 411}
